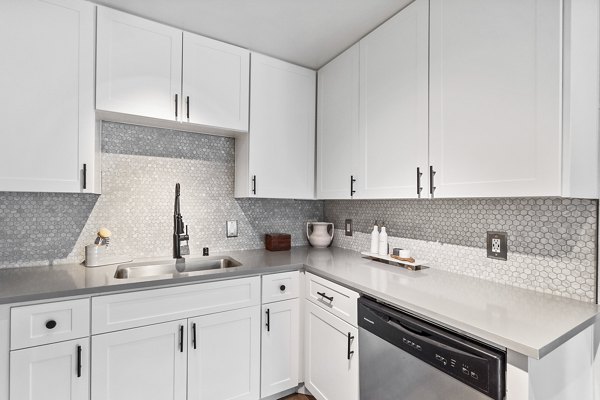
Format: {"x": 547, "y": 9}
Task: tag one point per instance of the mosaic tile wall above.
{"x": 552, "y": 241}
{"x": 140, "y": 167}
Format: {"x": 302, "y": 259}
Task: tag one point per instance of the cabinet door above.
{"x": 138, "y": 66}
{"x": 331, "y": 370}
{"x": 143, "y": 363}
{"x": 495, "y": 117}
{"x": 337, "y": 125}
{"x": 54, "y": 371}
{"x": 224, "y": 356}
{"x": 47, "y": 95}
{"x": 216, "y": 80}
{"x": 394, "y": 105}
{"x": 282, "y": 129}
{"x": 280, "y": 347}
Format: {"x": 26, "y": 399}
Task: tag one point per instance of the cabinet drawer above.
{"x": 332, "y": 297}
{"x": 48, "y": 323}
{"x": 283, "y": 286}
{"x": 129, "y": 310}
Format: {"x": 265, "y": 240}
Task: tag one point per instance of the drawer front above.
{"x": 49, "y": 323}
{"x": 336, "y": 299}
{"x": 283, "y": 286}
{"x": 130, "y": 310}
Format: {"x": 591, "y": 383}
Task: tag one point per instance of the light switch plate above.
{"x": 348, "y": 227}
{"x": 497, "y": 246}
{"x": 232, "y": 228}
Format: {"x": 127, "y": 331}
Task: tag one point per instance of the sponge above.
{"x": 104, "y": 233}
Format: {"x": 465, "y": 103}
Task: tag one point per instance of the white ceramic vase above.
{"x": 318, "y": 233}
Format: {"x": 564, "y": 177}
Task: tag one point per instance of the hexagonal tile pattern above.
{"x": 140, "y": 167}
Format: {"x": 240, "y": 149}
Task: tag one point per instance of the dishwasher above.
{"x": 406, "y": 358}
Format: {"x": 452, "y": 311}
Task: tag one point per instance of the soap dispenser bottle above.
{"x": 375, "y": 239}
{"x": 383, "y": 242}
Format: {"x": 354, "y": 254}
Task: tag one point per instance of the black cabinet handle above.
{"x": 350, "y": 339}
{"x": 419, "y": 187}
{"x": 176, "y": 105}
{"x": 431, "y": 182}
{"x": 79, "y": 361}
{"x": 51, "y": 324}
{"x": 187, "y": 102}
{"x": 352, "y": 180}
{"x": 85, "y": 176}
{"x": 325, "y": 296}
{"x": 253, "y": 184}
{"x": 194, "y": 335}
{"x": 268, "y": 324}
{"x": 282, "y": 288}
{"x": 181, "y": 338}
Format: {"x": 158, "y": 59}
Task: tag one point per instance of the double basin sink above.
{"x": 173, "y": 268}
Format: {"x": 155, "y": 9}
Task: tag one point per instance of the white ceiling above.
{"x": 304, "y": 32}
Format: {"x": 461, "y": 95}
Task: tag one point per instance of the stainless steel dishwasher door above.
{"x": 389, "y": 373}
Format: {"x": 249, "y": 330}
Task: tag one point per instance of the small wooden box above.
{"x": 278, "y": 241}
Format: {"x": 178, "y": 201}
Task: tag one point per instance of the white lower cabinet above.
{"x": 143, "y": 363}
{"x": 224, "y": 355}
{"x": 280, "y": 347}
{"x": 54, "y": 371}
{"x": 331, "y": 355}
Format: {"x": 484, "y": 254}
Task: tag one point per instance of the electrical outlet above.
{"x": 497, "y": 245}
{"x": 232, "y": 229}
{"x": 348, "y": 227}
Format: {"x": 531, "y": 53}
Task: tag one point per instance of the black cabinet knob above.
{"x": 51, "y": 324}
{"x": 282, "y": 288}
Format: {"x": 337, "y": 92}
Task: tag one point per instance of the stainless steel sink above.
{"x": 173, "y": 268}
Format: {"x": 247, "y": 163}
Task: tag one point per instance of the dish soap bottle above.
{"x": 375, "y": 239}
{"x": 383, "y": 242}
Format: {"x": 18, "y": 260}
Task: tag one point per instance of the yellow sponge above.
{"x": 104, "y": 233}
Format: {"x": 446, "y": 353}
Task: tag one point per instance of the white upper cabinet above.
{"x": 138, "y": 66}
{"x": 47, "y": 96}
{"x": 277, "y": 158}
{"x": 393, "y": 134}
{"x": 216, "y": 79}
{"x": 495, "y": 125}
{"x": 337, "y": 125}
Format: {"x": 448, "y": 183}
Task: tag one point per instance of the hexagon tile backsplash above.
{"x": 552, "y": 241}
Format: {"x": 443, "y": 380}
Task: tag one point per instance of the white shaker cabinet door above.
{"x": 224, "y": 356}
{"x": 331, "y": 355}
{"x": 47, "y": 95}
{"x": 337, "y": 125}
{"x": 138, "y": 66}
{"x": 56, "y": 371}
{"x": 280, "y": 347}
{"x": 216, "y": 81}
{"x": 495, "y": 105}
{"x": 282, "y": 129}
{"x": 393, "y": 135}
{"x": 143, "y": 363}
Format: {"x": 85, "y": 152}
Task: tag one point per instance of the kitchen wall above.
{"x": 140, "y": 167}
{"x": 551, "y": 241}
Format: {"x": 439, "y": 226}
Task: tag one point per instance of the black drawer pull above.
{"x": 350, "y": 339}
{"x": 51, "y": 324}
{"x": 79, "y": 361}
{"x": 268, "y": 324}
{"x": 194, "y": 335}
{"x": 181, "y": 338}
{"x": 282, "y": 288}
{"x": 325, "y": 296}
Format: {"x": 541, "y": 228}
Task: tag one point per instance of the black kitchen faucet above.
{"x": 178, "y": 231}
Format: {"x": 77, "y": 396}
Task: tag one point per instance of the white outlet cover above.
{"x": 496, "y": 245}
{"x": 232, "y": 229}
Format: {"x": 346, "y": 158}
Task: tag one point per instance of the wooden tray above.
{"x": 417, "y": 265}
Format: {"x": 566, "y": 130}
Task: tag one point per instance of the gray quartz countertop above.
{"x": 524, "y": 321}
